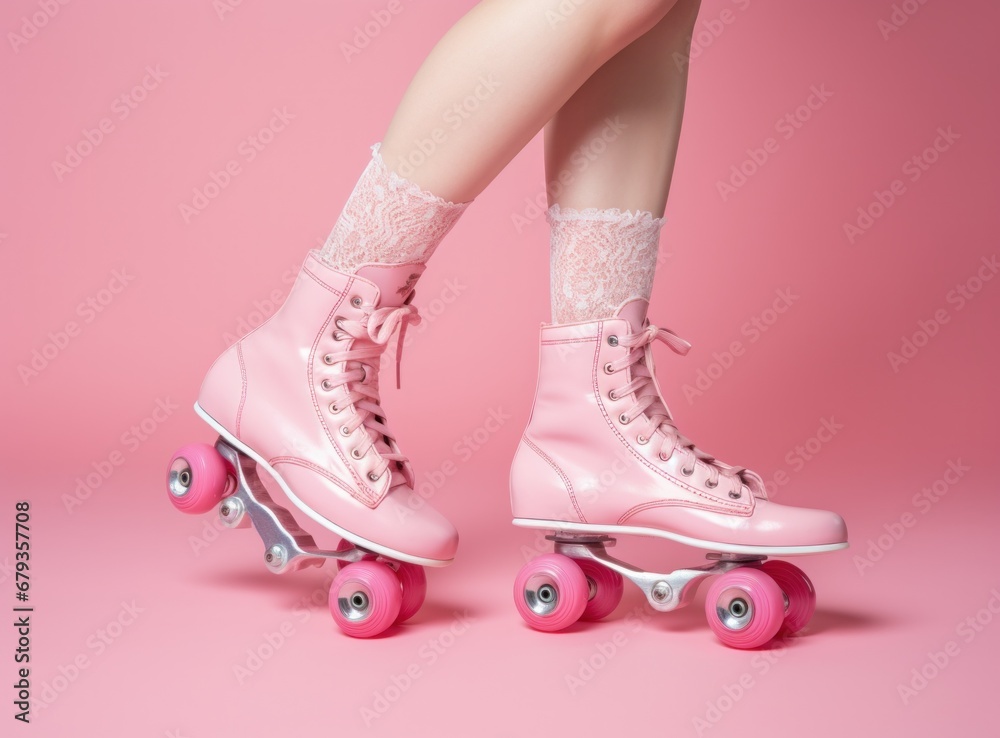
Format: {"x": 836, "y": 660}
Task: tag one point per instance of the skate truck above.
{"x": 369, "y": 594}
{"x": 748, "y": 603}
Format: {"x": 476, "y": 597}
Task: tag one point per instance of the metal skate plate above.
{"x": 286, "y": 546}
{"x": 664, "y": 592}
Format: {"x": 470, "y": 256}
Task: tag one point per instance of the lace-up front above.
{"x": 367, "y": 339}
{"x": 651, "y": 408}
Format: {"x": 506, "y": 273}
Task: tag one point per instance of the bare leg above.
{"x": 642, "y": 91}
{"x": 515, "y": 62}
{"x": 624, "y": 122}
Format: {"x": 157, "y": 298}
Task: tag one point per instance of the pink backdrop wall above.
{"x": 127, "y": 286}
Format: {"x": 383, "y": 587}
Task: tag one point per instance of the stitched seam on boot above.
{"x": 306, "y": 464}
{"x": 745, "y": 511}
{"x": 321, "y": 283}
{"x": 562, "y": 476}
{"x": 553, "y": 341}
{"x": 243, "y": 391}
{"x": 631, "y": 512}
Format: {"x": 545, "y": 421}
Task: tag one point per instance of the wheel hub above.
{"x": 734, "y": 609}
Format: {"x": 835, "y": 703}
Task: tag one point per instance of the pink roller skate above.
{"x": 299, "y": 397}
{"x": 599, "y": 415}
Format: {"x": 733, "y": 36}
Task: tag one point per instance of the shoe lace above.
{"x": 371, "y": 335}
{"x": 650, "y": 405}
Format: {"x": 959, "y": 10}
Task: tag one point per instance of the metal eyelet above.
{"x": 356, "y": 301}
{"x": 710, "y": 484}
{"x": 623, "y": 419}
{"x": 612, "y": 395}
{"x": 355, "y": 453}
{"x": 333, "y": 408}
{"x": 345, "y": 431}
{"x": 641, "y": 440}
{"x": 328, "y": 359}
{"x": 325, "y": 384}
{"x": 608, "y": 369}
{"x": 373, "y": 477}
{"x": 664, "y": 457}
{"x": 736, "y": 495}
{"x": 612, "y": 340}
{"x": 687, "y": 472}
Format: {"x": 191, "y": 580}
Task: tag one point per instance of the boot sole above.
{"x": 614, "y": 530}
{"x": 328, "y": 524}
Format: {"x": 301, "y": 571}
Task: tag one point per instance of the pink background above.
{"x": 171, "y": 671}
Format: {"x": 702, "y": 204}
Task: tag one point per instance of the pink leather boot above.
{"x": 299, "y": 396}
{"x": 601, "y": 456}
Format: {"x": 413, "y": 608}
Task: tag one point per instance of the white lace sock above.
{"x": 388, "y": 220}
{"x": 600, "y": 259}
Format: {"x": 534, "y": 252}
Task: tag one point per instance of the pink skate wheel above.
{"x": 414, "y": 584}
{"x": 365, "y": 598}
{"x": 196, "y": 478}
{"x": 605, "y": 586}
{"x": 798, "y": 590}
{"x": 346, "y": 545}
{"x": 551, "y": 592}
{"x": 745, "y": 607}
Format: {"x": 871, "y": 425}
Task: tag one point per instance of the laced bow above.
{"x": 650, "y": 405}
{"x": 360, "y": 376}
